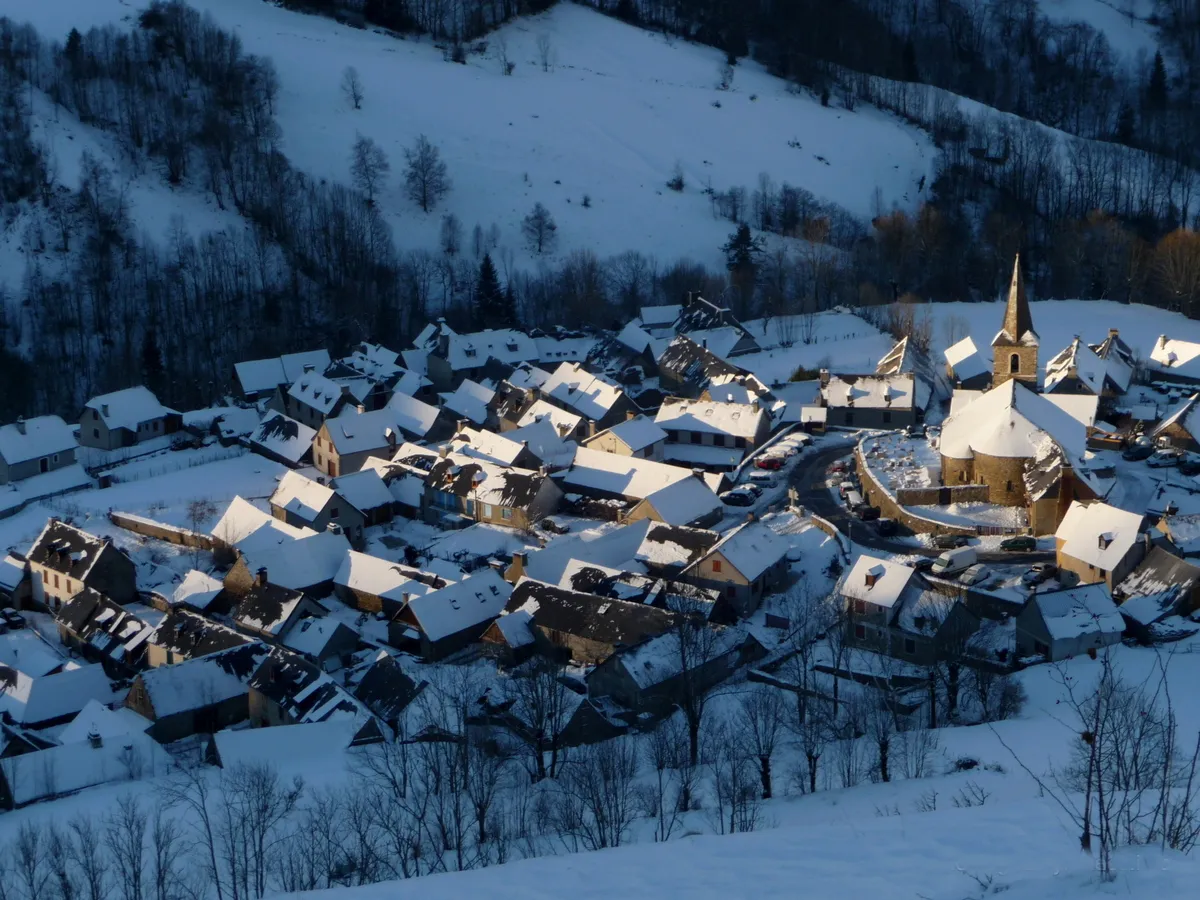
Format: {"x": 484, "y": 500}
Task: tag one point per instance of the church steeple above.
{"x": 1015, "y": 347}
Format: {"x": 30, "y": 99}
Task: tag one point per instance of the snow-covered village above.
{"x": 837, "y": 537}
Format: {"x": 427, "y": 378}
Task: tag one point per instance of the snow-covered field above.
{"x": 610, "y": 119}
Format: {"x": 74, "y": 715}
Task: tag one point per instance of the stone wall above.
{"x": 889, "y": 508}
{"x": 958, "y": 471}
{"x": 940, "y": 496}
{"x": 181, "y": 537}
{"x": 1005, "y": 478}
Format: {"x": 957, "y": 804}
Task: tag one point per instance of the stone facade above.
{"x": 1010, "y": 360}
{"x": 1004, "y": 476}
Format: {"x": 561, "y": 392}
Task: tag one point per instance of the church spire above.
{"x": 1018, "y": 321}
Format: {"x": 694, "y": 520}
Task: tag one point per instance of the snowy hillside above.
{"x": 616, "y": 110}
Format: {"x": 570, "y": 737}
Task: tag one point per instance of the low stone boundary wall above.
{"x": 939, "y": 495}
{"x": 161, "y": 531}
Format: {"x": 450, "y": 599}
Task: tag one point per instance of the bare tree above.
{"x": 500, "y": 43}
{"x": 669, "y": 795}
{"x": 542, "y": 707}
{"x": 369, "y": 166}
{"x": 31, "y": 869}
{"x": 738, "y": 802}
{"x": 425, "y": 174}
{"x": 540, "y": 230}
{"x": 125, "y": 833}
{"x": 451, "y": 236}
{"x": 255, "y": 806}
{"x": 88, "y": 860}
{"x": 191, "y": 790}
{"x": 352, "y": 88}
{"x": 545, "y": 51}
{"x": 759, "y": 722}
{"x": 598, "y": 800}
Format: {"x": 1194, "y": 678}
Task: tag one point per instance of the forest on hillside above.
{"x": 1103, "y": 208}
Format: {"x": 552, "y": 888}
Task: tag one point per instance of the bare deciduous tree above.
{"x": 425, "y": 174}
{"x": 598, "y": 800}
{"x": 540, "y": 230}
{"x": 759, "y": 722}
{"x": 451, "y": 235}
{"x": 352, "y": 88}
{"x": 545, "y": 51}
{"x": 369, "y": 166}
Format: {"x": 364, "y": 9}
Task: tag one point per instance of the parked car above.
{"x": 954, "y": 562}
{"x": 950, "y": 541}
{"x": 975, "y": 574}
{"x": 867, "y": 513}
{"x": 12, "y": 618}
{"x": 885, "y": 527}
{"x": 853, "y": 500}
{"x": 838, "y": 467}
{"x": 755, "y": 489}
{"x": 1022, "y": 543}
{"x": 785, "y": 450}
{"x": 554, "y": 526}
{"x": 922, "y": 563}
{"x": 761, "y": 478}
{"x": 846, "y": 487}
{"x": 1135, "y": 452}
{"x": 1162, "y": 459}
{"x": 1039, "y": 573}
{"x": 1189, "y": 467}
{"x": 738, "y": 497}
{"x": 769, "y": 462}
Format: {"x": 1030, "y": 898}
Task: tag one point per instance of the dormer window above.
{"x": 1106, "y": 539}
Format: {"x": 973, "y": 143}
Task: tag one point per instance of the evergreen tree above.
{"x": 742, "y": 251}
{"x": 152, "y": 362}
{"x": 489, "y": 299}
{"x": 1126, "y": 124}
{"x": 909, "y": 70}
{"x": 1156, "y": 91}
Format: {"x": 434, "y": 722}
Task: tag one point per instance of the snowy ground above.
{"x": 617, "y": 109}
{"x": 838, "y": 339}
{"x": 975, "y": 514}
{"x": 1121, "y": 21}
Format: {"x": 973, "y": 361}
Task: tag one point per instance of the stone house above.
{"x": 125, "y": 418}
{"x": 1096, "y": 542}
{"x": 473, "y": 403}
{"x": 453, "y": 357}
{"x": 31, "y": 447}
{"x": 583, "y": 627}
{"x": 747, "y": 563}
{"x": 66, "y": 560}
{"x": 184, "y": 635}
{"x": 1058, "y": 625}
{"x": 459, "y": 489}
{"x": 872, "y": 401}
{"x": 287, "y": 689}
{"x": 366, "y": 492}
{"x": 259, "y": 379}
{"x": 283, "y": 440}
{"x": 872, "y": 592}
{"x": 15, "y": 587}
{"x": 1175, "y": 359}
{"x": 518, "y": 414}
{"x": 1015, "y": 347}
{"x": 103, "y": 632}
{"x": 966, "y": 368}
{"x": 686, "y": 368}
{"x": 307, "y": 563}
{"x": 198, "y": 696}
{"x": 54, "y": 698}
{"x": 444, "y": 621}
{"x": 371, "y": 584}
{"x": 1162, "y": 586}
{"x": 305, "y": 503}
{"x": 710, "y": 435}
{"x": 344, "y": 444}
{"x": 269, "y": 612}
{"x": 503, "y": 450}
{"x": 593, "y": 398}
{"x": 1078, "y": 369}
{"x": 1181, "y": 429}
{"x": 323, "y": 640}
{"x": 312, "y": 398}
{"x": 639, "y": 436}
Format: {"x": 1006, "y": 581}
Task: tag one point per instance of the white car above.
{"x": 1161, "y": 459}
{"x": 975, "y": 574}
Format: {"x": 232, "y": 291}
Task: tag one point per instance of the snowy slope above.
{"x": 1130, "y": 37}
{"x": 618, "y": 108}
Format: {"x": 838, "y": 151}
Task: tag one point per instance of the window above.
{"x": 334, "y": 512}
{"x": 716, "y": 565}
{"x": 157, "y": 424}
{"x": 962, "y": 476}
{"x": 506, "y": 513}
{"x": 860, "y": 607}
{"x": 95, "y": 432}
{"x": 1014, "y": 363}
{"x": 470, "y": 507}
{"x": 43, "y": 465}
{"x": 1008, "y": 485}
{"x": 487, "y": 510}
{"x": 54, "y": 458}
{"x": 320, "y": 459}
{"x": 910, "y": 646}
{"x": 860, "y": 632}
{"x": 56, "y": 581}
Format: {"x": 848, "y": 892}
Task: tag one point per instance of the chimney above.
{"x": 462, "y": 425}
{"x": 1114, "y": 332}
{"x": 824, "y": 376}
{"x": 542, "y": 470}
{"x": 95, "y": 739}
{"x": 405, "y": 597}
{"x": 359, "y": 408}
{"x": 20, "y": 424}
{"x": 444, "y": 452}
{"x": 699, "y": 473}
{"x": 261, "y": 578}
{"x": 321, "y": 480}
{"x": 591, "y": 428}
{"x": 390, "y": 435}
{"x": 517, "y": 570}
{"x": 308, "y": 368}
{"x": 104, "y": 406}
{"x": 630, "y": 414}
{"x": 751, "y": 517}
{"x": 754, "y": 404}
{"x": 497, "y": 566}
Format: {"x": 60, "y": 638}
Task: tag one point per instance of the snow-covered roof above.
{"x": 32, "y": 701}
{"x": 659, "y": 316}
{"x": 964, "y": 358}
{"x": 659, "y": 659}
{"x": 258, "y": 375}
{"x": 67, "y": 549}
{"x": 637, "y": 433}
{"x": 1077, "y": 611}
{"x": 1009, "y": 421}
{"x": 517, "y": 628}
{"x": 616, "y": 548}
{"x": 96, "y": 718}
{"x": 411, "y": 416}
{"x": 355, "y": 432}
{"x": 206, "y": 680}
{"x": 634, "y": 337}
{"x": 703, "y": 456}
{"x": 565, "y": 422}
{"x": 311, "y": 636}
{"x": 383, "y": 578}
{"x": 301, "y": 496}
{"x": 469, "y": 351}
{"x": 35, "y": 438}
{"x": 68, "y": 768}
{"x": 1157, "y": 587}
{"x": 720, "y": 341}
{"x": 12, "y": 572}
{"x": 1176, "y": 355}
{"x": 880, "y": 582}
{"x": 472, "y": 601}
{"x": 25, "y": 650}
{"x": 735, "y": 419}
{"x": 752, "y": 548}
{"x": 1098, "y": 534}
{"x": 589, "y": 395}
{"x": 487, "y": 445}
{"x": 316, "y": 391}
{"x": 599, "y": 619}
{"x": 1185, "y": 416}
{"x": 1079, "y": 358}
{"x": 685, "y": 502}
{"x": 624, "y": 476}
{"x": 469, "y": 399}
{"x": 364, "y": 490}
{"x": 246, "y": 527}
{"x": 553, "y": 348}
{"x": 197, "y": 590}
{"x": 128, "y": 408}
{"x": 663, "y": 545}
{"x": 300, "y": 563}
{"x": 303, "y": 745}
{"x": 544, "y": 442}
{"x": 283, "y": 437}
{"x": 872, "y": 391}
{"x": 527, "y": 376}
{"x": 486, "y": 482}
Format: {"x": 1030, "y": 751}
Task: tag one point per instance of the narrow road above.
{"x": 808, "y": 477}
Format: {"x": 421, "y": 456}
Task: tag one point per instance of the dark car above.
{"x": 12, "y": 618}
{"x": 950, "y": 541}
{"x": 769, "y": 462}
{"x": 922, "y": 564}
{"x": 1189, "y": 467}
{"x": 755, "y": 489}
{"x": 1138, "y": 451}
{"x": 738, "y": 498}
{"x": 1021, "y": 543}
{"x": 867, "y": 513}
{"x": 554, "y": 526}
{"x": 885, "y": 527}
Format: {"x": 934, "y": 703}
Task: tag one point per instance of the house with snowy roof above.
{"x": 307, "y": 563}
{"x": 872, "y": 401}
{"x": 313, "y": 397}
{"x": 872, "y": 592}
{"x": 197, "y": 696}
{"x": 444, "y": 621}
{"x": 639, "y": 436}
{"x": 567, "y": 425}
{"x": 104, "y": 632}
{"x": 269, "y": 611}
{"x": 30, "y": 447}
{"x": 583, "y": 627}
{"x": 453, "y": 356}
{"x": 1079, "y": 369}
{"x": 343, "y": 445}
{"x": 462, "y": 489}
{"x": 124, "y": 418}
{"x": 1100, "y": 543}
{"x": 305, "y": 503}
{"x": 323, "y": 640}
{"x": 965, "y": 366}
{"x": 245, "y": 527}
{"x": 184, "y": 634}
{"x": 1162, "y": 587}
{"x": 44, "y": 701}
{"x": 635, "y": 587}
{"x": 386, "y": 689}
{"x": 594, "y": 398}
{"x": 259, "y": 379}
{"x": 500, "y": 449}
{"x": 372, "y": 584}
{"x": 66, "y": 559}
{"x": 702, "y": 321}
{"x": 748, "y": 562}
{"x": 1057, "y": 625}
{"x": 283, "y": 440}
{"x": 1175, "y": 360}
{"x": 366, "y": 492}
{"x": 1181, "y": 427}
{"x": 711, "y": 435}
{"x": 686, "y": 368}
{"x": 474, "y": 403}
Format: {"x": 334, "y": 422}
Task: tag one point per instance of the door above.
{"x": 44, "y": 464}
